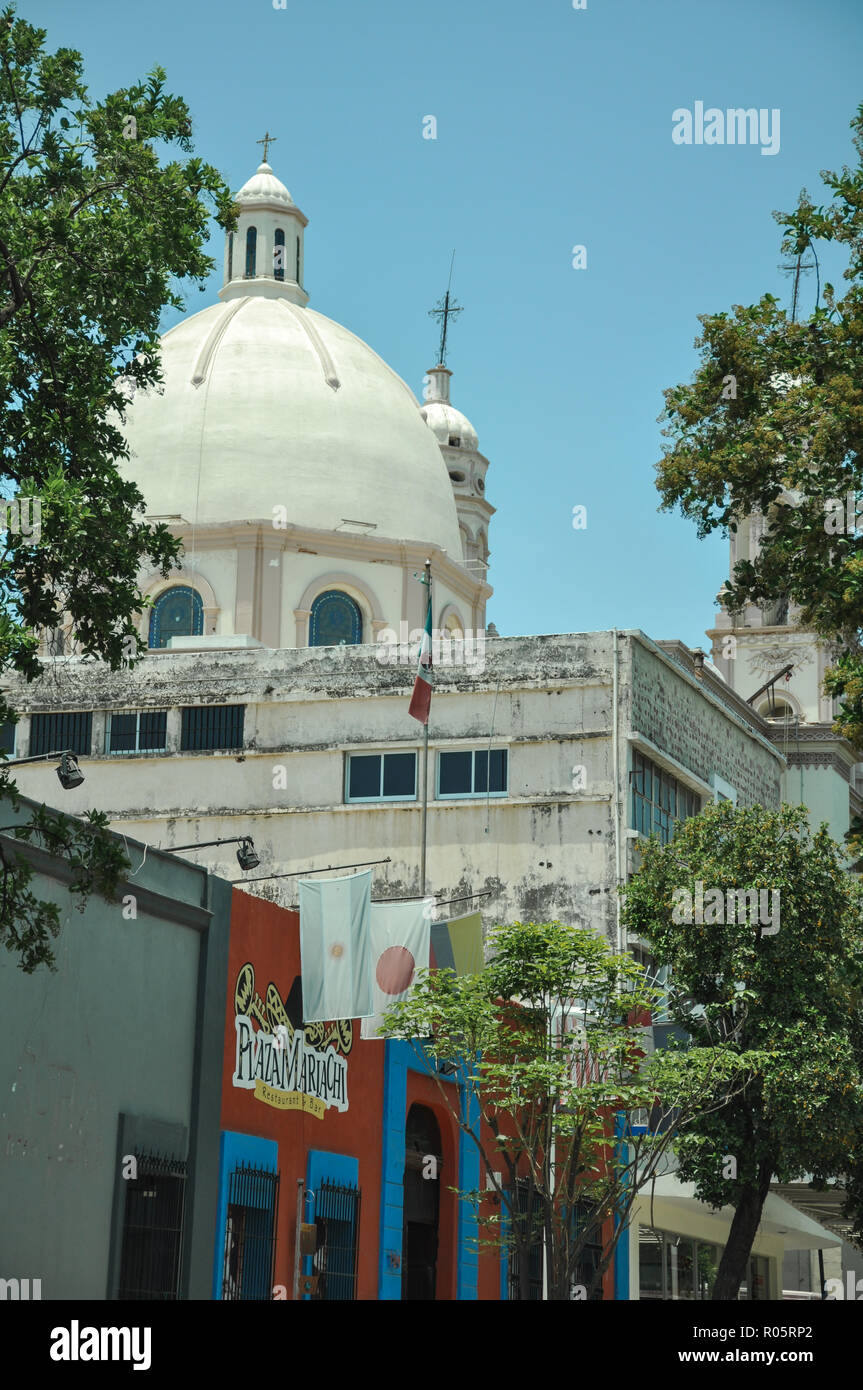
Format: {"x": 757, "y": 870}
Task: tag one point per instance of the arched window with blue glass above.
{"x": 336, "y": 621}
{"x": 178, "y": 612}
{"x": 251, "y": 252}
{"x": 279, "y": 254}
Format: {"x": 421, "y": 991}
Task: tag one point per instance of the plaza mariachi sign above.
{"x": 288, "y": 1066}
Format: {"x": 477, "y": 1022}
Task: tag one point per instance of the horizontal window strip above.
{"x": 55, "y": 733}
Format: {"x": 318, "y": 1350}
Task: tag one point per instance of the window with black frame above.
{"x": 472, "y": 772}
{"x": 137, "y": 731}
{"x": 152, "y": 1242}
{"x": 381, "y": 777}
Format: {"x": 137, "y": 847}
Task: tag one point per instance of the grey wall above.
{"x": 681, "y": 717}
{"x": 125, "y": 1025}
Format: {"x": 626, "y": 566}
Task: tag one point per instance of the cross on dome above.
{"x": 267, "y": 141}
{"x": 445, "y": 309}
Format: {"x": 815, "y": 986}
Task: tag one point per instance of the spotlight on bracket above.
{"x": 246, "y": 856}
{"x": 69, "y": 772}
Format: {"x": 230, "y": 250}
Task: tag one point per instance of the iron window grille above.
{"x": 250, "y": 1235}
{"x": 528, "y": 1215}
{"x": 659, "y": 800}
{"x": 466, "y": 772}
{"x": 51, "y": 733}
{"x": 153, "y": 1229}
{"x": 337, "y": 1218}
{"x": 381, "y": 777}
{"x": 208, "y": 728}
{"x": 591, "y": 1252}
{"x": 137, "y": 731}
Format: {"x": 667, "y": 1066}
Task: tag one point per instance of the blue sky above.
{"x": 553, "y": 130}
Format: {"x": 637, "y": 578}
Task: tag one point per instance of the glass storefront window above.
{"x": 675, "y": 1267}
{"x": 681, "y": 1267}
{"x": 650, "y": 1251}
{"x": 708, "y": 1265}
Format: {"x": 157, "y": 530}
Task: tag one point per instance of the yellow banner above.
{"x": 289, "y": 1100}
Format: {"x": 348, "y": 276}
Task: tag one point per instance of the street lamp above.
{"x": 246, "y": 856}
{"x": 69, "y": 772}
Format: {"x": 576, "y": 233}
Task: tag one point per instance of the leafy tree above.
{"x": 95, "y": 233}
{"x": 552, "y": 1086}
{"x": 785, "y": 997}
{"x": 772, "y": 424}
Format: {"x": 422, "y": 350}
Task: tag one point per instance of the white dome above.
{"x": 447, "y": 423}
{"x": 268, "y": 404}
{"x": 263, "y": 187}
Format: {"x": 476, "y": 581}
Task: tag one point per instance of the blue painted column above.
{"x": 468, "y": 1225}
{"x": 621, "y": 1254}
{"x": 392, "y": 1170}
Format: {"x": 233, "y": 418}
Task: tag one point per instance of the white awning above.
{"x": 779, "y": 1218}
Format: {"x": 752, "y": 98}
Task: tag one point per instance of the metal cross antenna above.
{"x": 445, "y": 309}
{"x": 267, "y": 140}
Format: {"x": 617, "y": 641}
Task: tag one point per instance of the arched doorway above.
{"x": 423, "y": 1161}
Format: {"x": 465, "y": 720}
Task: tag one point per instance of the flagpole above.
{"x": 424, "y": 826}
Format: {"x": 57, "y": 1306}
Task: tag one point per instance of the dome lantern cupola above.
{"x": 265, "y": 256}
{"x": 466, "y": 466}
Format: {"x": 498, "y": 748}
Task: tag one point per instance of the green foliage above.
{"x": 772, "y": 423}
{"x": 547, "y": 1047}
{"x": 95, "y": 235}
{"x": 96, "y": 861}
{"x": 789, "y": 1003}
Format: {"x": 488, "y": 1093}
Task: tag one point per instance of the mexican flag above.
{"x": 420, "y": 704}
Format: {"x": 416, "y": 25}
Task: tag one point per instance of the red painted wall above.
{"x": 268, "y": 937}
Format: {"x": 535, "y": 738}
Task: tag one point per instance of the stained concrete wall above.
{"x": 545, "y": 850}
